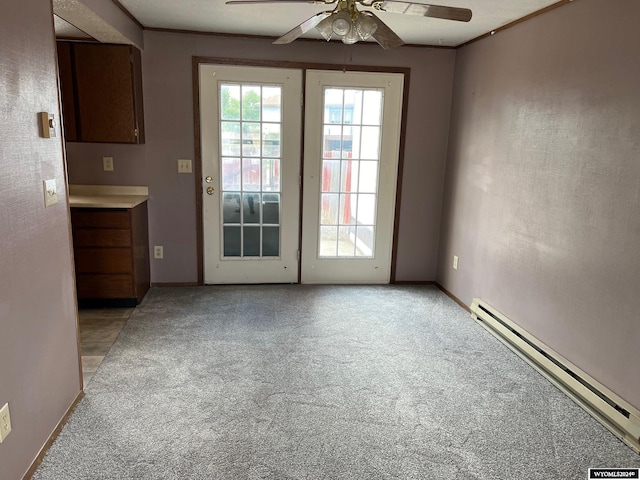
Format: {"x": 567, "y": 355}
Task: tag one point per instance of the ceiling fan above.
{"x": 347, "y": 22}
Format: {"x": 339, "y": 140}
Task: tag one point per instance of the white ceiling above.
{"x": 274, "y": 20}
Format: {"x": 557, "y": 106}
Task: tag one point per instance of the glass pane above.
{"x": 270, "y": 139}
{"x": 328, "y": 241}
{"x": 329, "y": 213}
{"x": 270, "y": 241}
{"x": 332, "y": 141}
{"x": 230, "y": 138}
{"x": 230, "y": 102}
{"x": 352, "y": 106}
{"x": 231, "y": 174}
{"x": 366, "y": 209}
{"x": 356, "y": 138}
{"x": 251, "y": 207}
{"x": 271, "y": 104}
{"x": 347, "y": 142}
{"x": 271, "y": 208}
{"x": 368, "y": 181}
{"x": 348, "y": 209}
{"x": 231, "y": 208}
{"x": 372, "y": 107}
{"x": 251, "y": 103}
{"x": 251, "y": 242}
{"x": 251, "y": 174}
{"x": 331, "y": 175}
{"x": 333, "y": 105}
{"x": 349, "y": 177}
{"x": 271, "y": 175}
{"x": 364, "y": 241}
{"x": 370, "y": 143}
{"x": 231, "y": 241}
{"x": 346, "y": 247}
{"x": 251, "y": 139}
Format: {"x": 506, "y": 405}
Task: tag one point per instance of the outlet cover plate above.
{"x": 158, "y": 252}
{"x": 184, "y": 166}
{"x": 455, "y": 262}
{"x": 50, "y": 192}
{"x": 107, "y": 164}
{"x": 5, "y": 422}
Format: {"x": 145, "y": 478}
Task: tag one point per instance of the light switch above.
{"x": 50, "y": 192}
{"x": 184, "y": 166}
{"x": 107, "y": 164}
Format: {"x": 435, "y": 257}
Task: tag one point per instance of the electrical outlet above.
{"x": 50, "y": 192}
{"x": 184, "y": 166}
{"x": 5, "y": 422}
{"x": 107, "y": 164}
{"x": 158, "y": 251}
{"x": 455, "y": 262}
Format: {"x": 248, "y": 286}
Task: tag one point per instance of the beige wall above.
{"x": 168, "y": 99}
{"x": 542, "y": 200}
{"x": 40, "y": 375}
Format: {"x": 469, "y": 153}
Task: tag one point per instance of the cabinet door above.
{"x": 105, "y": 93}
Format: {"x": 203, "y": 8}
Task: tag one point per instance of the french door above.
{"x": 352, "y": 137}
{"x": 251, "y": 137}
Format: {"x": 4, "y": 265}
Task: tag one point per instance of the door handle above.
{"x": 210, "y": 190}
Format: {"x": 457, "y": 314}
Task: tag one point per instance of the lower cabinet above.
{"x": 111, "y": 250}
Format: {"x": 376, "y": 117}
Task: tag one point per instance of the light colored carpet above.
{"x": 321, "y": 382}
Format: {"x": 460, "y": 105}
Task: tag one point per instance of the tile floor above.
{"x": 99, "y": 328}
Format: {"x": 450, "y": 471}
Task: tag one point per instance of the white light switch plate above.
{"x": 50, "y": 192}
{"x": 455, "y": 262}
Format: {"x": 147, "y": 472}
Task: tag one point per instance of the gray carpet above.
{"x": 316, "y": 382}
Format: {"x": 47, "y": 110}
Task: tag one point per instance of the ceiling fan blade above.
{"x": 301, "y": 29}
{"x": 425, "y": 10}
{"x": 253, "y": 2}
{"x": 385, "y": 37}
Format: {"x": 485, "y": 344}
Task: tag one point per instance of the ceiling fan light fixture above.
{"x": 325, "y": 29}
{"x": 365, "y": 26}
{"x": 351, "y": 37}
{"x": 341, "y": 24}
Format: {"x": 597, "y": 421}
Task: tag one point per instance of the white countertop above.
{"x": 107, "y": 196}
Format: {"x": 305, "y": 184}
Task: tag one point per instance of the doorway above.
{"x": 251, "y": 136}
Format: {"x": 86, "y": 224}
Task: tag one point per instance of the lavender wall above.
{"x": 543, "y": 184}
{"x": 38, "y": 327}
{"x": 168, "y": 99}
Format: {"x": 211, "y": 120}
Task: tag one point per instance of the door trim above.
{"x": 196, "y": 61}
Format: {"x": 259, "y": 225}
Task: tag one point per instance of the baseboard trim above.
{"x": 176, "y": 284}
{"x": 56, "y": 431}
{"x": 413, "y": 282}
{"x": 453, "y": 297}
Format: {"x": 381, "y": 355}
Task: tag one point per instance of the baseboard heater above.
{"x": 617, "y": 415}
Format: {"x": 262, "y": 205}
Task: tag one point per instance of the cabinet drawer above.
{"x": 101, "y": 237}
{"x": 103, "y": 260}
{"x": 105, "y": 286}
{"x": 91, "y": 218}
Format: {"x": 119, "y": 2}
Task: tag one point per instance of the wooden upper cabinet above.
{"x": 101, "y": 88}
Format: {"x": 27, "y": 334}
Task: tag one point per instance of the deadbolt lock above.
{"x": 208, "y": 179}
{"x": 210, "y": 190}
